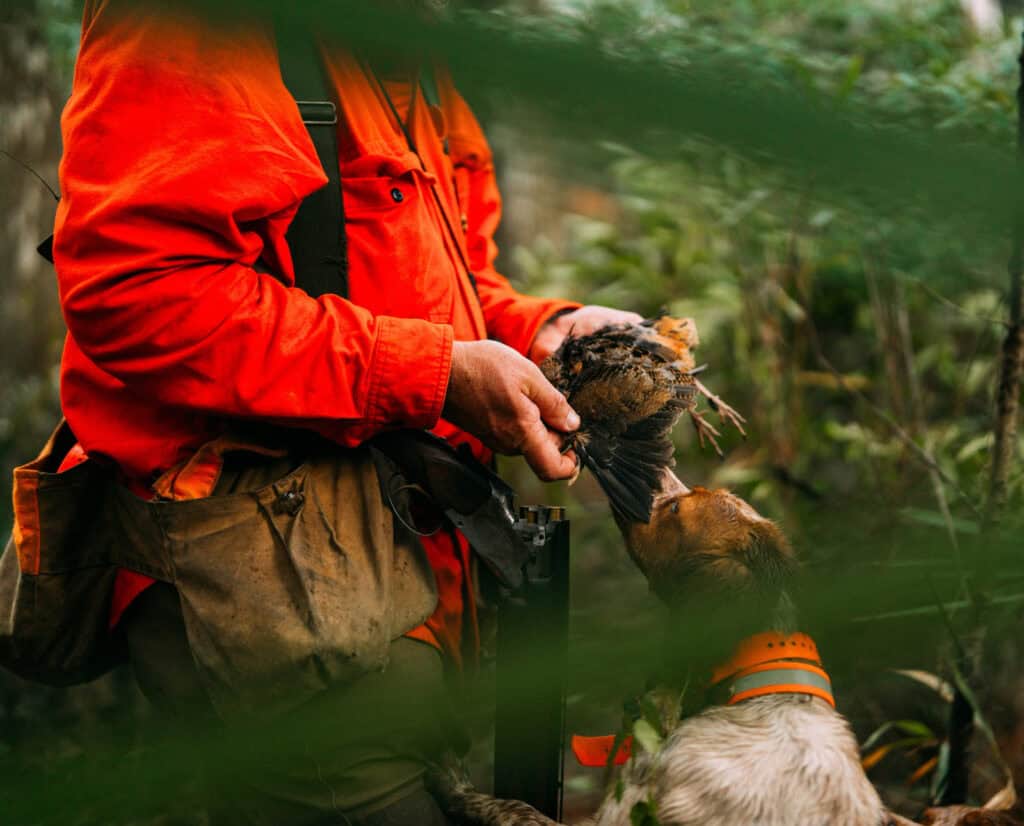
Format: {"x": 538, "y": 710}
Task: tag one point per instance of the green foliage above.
{"x": 644, "y": 813}
{"x": 772, "y": 268}
{"x": 62, "y": 23}
{"x": 820, "y": 184}
{"x": 647, "y": 736}
{"x": 767, "y": 273}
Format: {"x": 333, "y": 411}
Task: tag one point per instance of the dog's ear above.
{"x": 768, "y": 556}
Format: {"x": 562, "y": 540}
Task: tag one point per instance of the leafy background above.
{"x": 850, "y": 307}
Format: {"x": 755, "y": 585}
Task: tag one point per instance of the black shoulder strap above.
{"x": 316, "y": 236}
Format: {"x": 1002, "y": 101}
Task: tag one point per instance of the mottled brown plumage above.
{"x": 630, "y": 383}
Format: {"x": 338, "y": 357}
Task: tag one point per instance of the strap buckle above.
{"x": 318, "y": 112}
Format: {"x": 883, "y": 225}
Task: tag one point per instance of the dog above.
{"x": 771, "y": 749}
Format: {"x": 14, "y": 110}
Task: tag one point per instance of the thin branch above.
{"x": 886, "y": 352}
{"x": 933, "y": 608}
{"x": 948, "y": 302}
{"x": 32, "y": 172}
{"x": 917, "y": 417}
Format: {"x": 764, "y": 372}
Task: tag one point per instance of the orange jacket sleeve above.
{"x": 511, "y": 317}
{"x": 185, "y": 159}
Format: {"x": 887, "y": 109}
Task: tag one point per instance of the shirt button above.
{"x": 397, "y": 196}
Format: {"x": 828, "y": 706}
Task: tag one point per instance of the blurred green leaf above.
{"x": 647, "y": 736}
{"x": 937, "y": 520}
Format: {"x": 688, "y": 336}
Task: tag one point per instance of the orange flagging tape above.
{"x": 594, "y": 751}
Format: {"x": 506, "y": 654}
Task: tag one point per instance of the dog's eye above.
{"x": 674, "y": 507}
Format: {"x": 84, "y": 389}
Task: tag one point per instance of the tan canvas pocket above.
{"x": 290, "y": 586}
{"x": 290, "y": 578}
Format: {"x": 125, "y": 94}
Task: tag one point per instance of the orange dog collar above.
{"x": 773, "y": 663}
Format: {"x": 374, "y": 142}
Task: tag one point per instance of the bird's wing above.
{"x": 629, "y": 462}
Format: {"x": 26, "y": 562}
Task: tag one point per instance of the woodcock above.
{"x": 630, "y": 383}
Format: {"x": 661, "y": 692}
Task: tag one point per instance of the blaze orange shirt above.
{"x": 185, "y": 161}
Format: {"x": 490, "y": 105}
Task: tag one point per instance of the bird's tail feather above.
{"x": 629, "y": 472}
{"x": 630, "y": 466}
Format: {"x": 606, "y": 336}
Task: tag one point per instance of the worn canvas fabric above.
{"x": 57, "y": 571}
{"x": 290, "y": 576}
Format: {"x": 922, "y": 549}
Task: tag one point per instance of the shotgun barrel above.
{"x": 531, "y": 670}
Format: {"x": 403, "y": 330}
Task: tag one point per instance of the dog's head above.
{"x": 708, "y": 541}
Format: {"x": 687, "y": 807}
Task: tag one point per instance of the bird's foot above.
{"x": 706, "y": 432}
{"x": 726, "y": 412}
{"x": 576, "y": 473}
{"x": 570, "y": 444}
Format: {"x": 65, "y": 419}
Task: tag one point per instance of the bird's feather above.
{"x": 630, "y": 384}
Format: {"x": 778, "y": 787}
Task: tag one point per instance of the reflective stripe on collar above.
{"x": 772, "y": 663}
{"x": 781, "y": 680}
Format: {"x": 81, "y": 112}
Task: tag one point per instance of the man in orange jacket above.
{"x": 185, "y": 160}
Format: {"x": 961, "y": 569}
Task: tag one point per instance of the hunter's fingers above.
{"x": 554, "y": 409}
{"x": 543, "y": 452}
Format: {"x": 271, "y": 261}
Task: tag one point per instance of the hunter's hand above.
{"x": 581, "y": 322}
{"x": 504, "y": 400}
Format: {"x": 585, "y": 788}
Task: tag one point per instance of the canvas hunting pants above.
{"x": 354, "y": 756}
